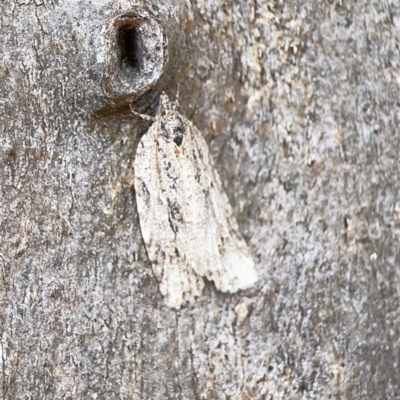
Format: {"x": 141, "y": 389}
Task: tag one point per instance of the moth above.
{"x": 187, "y": 223}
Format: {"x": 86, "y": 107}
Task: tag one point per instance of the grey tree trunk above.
{"x": 299, "y": 103}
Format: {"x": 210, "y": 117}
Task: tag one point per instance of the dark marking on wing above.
{"x": 173, "y": 226}
{"x": 175, "y": 217}
{"x": 146, "y": 193}
{"x": 197, "y": 176}
{"x": 174, "y": 180}
{"x": 206, "y": 193}
{"x": 167, "y": 164}
{"x": 221, "y": 249}
{"x": 178, "y": 139}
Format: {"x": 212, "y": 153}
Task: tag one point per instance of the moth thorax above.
{"x": 173, "y": 129}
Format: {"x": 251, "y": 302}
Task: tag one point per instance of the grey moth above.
{"x": 186, "y": 220}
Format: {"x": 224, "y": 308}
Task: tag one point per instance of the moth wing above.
{"x": 162, "y": 218}
{"x": 222, "y": 254}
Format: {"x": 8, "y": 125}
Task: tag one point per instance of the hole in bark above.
{"x": 134, "y": 54}
{"x": 141, "y": 46}
{"x": 130, "y": 45}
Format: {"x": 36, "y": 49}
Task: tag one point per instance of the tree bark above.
{"x": 299, "y": 103}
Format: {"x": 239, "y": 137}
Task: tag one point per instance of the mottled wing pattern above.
{"x": 227, "y": 260}
{"x": 186, "y": 220}
{"x": 162, "y": 219}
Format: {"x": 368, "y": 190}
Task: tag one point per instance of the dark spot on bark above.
{"x": 177, "y": 252}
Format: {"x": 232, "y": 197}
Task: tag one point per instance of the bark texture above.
{"x": 299, "y": 103}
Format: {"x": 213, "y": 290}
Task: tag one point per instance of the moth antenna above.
{"x": 144, "y": 116}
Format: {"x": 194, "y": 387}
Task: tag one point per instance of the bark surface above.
{"x": 299, "y": 103}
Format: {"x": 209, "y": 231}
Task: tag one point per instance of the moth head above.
{"x": 172, "y": 126}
